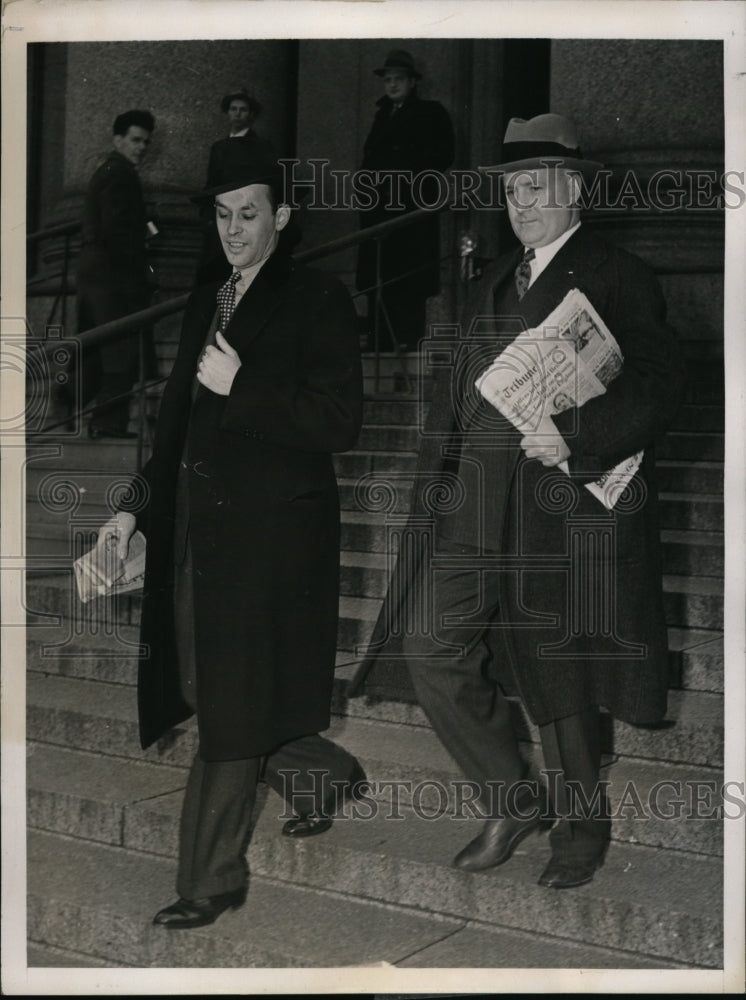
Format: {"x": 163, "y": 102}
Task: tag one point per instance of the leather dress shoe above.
{"x": 314, "y": 823}
{"x": 186, "y": 913}
{"x": 499, "y": 838}
{"x": 569, "y": 874}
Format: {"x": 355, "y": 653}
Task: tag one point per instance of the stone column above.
{"x": 642, "y": 107}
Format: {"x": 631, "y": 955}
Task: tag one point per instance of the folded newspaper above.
{"x": 571, "y": 358}
{"x": 101, "y": 571}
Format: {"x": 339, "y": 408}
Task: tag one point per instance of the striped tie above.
{"x": 227, "y": 299}
{"x": 523, "y": 272}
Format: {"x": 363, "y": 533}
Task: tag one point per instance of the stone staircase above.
{"x": 378, "y": 888}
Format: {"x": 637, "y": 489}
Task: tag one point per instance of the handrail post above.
{"x": 65, "y": 268}
{"x": 140, "y": 398}
{"x": 62, "y": 293}
{"x": 376, "y": 317}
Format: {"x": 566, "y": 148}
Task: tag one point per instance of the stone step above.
{"x": 700, "y": 417}
{"x": 107, "y": 651}
{"x": 354, "y": 464}
{"x": 101, "y": 798}
{"x": 693, "y": 446}
{"x": 693, "y": 553}
{"x": 58, "y": 620}
{"x": 689, "y": 602}
{"x": 402, "y": 410}
{"x": 394, "y": 410}
{"x": 110, "y": 895}
{"x": 102, "y": 717}
{"x": 693, "y": 602}
{"x": 389, "y": 437}
{"x": 691, "y": 512}
{"x": 53, "y": 597}
{"x": 696, "y": 658}
{"x": 690, "y": 477}
{"x": 665, "y": 903}
{"x": 60, "y": 506}
{"x": 692, "y": 732}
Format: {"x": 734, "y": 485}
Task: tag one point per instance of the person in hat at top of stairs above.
{"x": 241, "y": 592}
{"x": 409, "y": 135}
{"x": 536, "y": 588}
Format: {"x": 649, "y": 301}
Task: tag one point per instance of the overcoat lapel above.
{"x": 253, "y": 312}
{"x": 563, "y": 272}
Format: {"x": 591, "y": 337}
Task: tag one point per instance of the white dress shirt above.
{"x": 545, "y": 254}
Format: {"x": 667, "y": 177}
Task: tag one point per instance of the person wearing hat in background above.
{"x": 503, "y": 625}
{"x": 241, "y": 110}
{"x": 241, "y": 590}
{"x": 112, "y": 275}
{"x": 408, "y": 134}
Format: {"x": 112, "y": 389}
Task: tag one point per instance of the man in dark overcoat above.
{"x": 408, "y": 136}
{"x": 536, "y": 587}
{"x": 112, "y": 273}
{"x": 240, "y": 605}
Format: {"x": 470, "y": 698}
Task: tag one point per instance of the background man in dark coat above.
{"x": 112, "y": 272}
{"x": 540, "y": 587}
{"x": 241, "y": 110}
{"x": 412, "y": 135}
{"x": 242, "y": 524}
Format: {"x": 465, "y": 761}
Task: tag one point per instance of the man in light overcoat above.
{"x": 537, "y": 588}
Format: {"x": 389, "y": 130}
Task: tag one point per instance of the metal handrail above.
{"x": 116, "y": 328}
{"x": 64, "y": 229}
{"x": 136, "y": 322}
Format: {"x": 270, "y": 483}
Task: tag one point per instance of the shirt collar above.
{"x": 544, "y": 255}
{"x": 247, "y": 277}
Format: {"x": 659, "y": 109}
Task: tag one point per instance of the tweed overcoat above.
{"x": 263, "y": 515}
{"x": 560, "y": 538}
{"x": 418, "y": 137}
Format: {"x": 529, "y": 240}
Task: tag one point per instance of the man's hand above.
{"x": 117, "y": 531}
{"x": 546, "y": 444}
{"x": 218, "y": 366}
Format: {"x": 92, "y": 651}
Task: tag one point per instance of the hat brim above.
{"x": 585, "y": 167}
{"x": 242, "y": 182}
{"x": 407, "y": 69}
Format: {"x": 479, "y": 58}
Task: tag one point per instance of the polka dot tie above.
{"x": 227, "y": 299}
{"x": 523, "y": 272}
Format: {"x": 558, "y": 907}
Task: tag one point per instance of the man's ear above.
{"x": 282, "y": 216}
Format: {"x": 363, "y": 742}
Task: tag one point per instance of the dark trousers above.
{"x": 471, "y": 715}
{"x": 109, "y": 370}
{"x": 220, "y": 795}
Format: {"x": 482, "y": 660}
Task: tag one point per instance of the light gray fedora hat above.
{"x": 541, "y": 141}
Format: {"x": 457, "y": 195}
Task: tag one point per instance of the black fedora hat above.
{"x": 540, "y": 142}
{"x": 243, "y": 165}
{"x": 241, "y": 95}
{"x": 399, "y": 59}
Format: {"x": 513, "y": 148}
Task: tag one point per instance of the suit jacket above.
{"x": 581, "y": 617}
{"x": 263, "y": 508}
